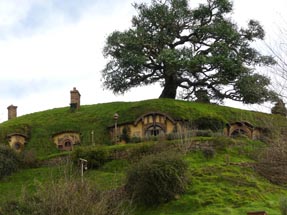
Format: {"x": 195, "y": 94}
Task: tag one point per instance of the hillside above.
{"x": 222, "y": 175}
{"x": 41, "y": 126}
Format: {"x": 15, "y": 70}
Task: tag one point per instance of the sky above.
{"x": 47, "y": 47}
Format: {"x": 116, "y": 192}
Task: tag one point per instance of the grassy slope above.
{"x": 41, "y": 126}
{"x": 215, "y": 187}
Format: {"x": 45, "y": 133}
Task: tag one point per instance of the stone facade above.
{"x": 17, "y": 141}
{"x": 12, "y": 112}
{"x": 66, "y": 140}
{"x": 75, "y": 99}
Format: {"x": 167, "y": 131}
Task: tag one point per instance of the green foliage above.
{"x": 126, "y": 135}
{"x": 157, "y": 179}
{"x": 136, "y": 139}
{"x": 203, "y": 133}
{"x": 208, "y": 122}
{"x": 279, "y": 108}
{"x": 199, "y": 50}
{"x": 222, "y": 143}
{"x": 9, "y": 161}
{"x": 216, "y": 188}
{"x": 96, "y": 156}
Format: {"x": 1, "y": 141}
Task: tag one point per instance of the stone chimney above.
{"x": 75, "y": 99}
{"x": 12, "y": 112}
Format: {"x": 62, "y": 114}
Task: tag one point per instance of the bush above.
{"x": 203, "y": 133}
{"x": 135, "y": 139}
{"x": 141, "y": 150}
{"x": 125, "y": 136}
{"x": 9, "y": 161}
{"x": 208, "y": 122}
{"x": 96, "y": 156}
{"x": 157, "y": 178}
{"x": 71, "y": 197}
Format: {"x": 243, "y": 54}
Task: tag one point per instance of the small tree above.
{"x": 9, "y": 161}
{"x": 196, "y": 50}
{"x": 157, "y": 178}
{"x": 279, "y": 108}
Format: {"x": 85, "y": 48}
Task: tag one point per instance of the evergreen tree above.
{"x": 195, "y": 50}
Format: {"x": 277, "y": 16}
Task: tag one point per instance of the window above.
{"x": 154, "y": 130}
{"x": 17, "y": 146}
{"x": 68, "y": 143}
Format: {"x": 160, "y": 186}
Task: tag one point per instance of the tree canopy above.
{"x": 200, "y": 51}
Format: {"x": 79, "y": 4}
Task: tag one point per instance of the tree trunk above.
{"x": 170, "y": 87}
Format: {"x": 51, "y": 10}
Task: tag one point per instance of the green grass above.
{"x": 11, "y": 187}
{"x": 218, "y": 188}
{"x": 41, "y": 126}
{"x": 223, "y": 184}
{"x": 215, "y": 186}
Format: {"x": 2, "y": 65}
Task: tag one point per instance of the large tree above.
{"x": 199, "y": 50}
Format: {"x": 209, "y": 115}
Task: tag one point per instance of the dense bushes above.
{"x": 9, "y": 161}
{"x": 207, "y": 122}
{"x": 96, "y": 156}
{"x": 157, "y": 178}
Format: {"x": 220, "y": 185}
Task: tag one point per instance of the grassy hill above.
{"x": 41, "y": 126}
{"x": 224, "y": 183}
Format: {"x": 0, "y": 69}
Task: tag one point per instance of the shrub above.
{"x": 208, "y": 122}
{"x": 279, "y": 108}
{"x": 9, "y": 161}
{"x": 141, "y": 150}
{"x": 96, "y": 156}
{"x": 125, "y": 136}
{"x": 157, "y": 178}
{"x": 71, "y": 197}
{"x": 135, "y": 139}
{"x": 203, "y": 133}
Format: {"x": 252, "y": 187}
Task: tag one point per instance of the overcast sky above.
{"x": 47, "y": 47}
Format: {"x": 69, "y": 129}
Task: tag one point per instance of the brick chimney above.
{"x": 12, "y": 112}
{"x": 75, "y": 99}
